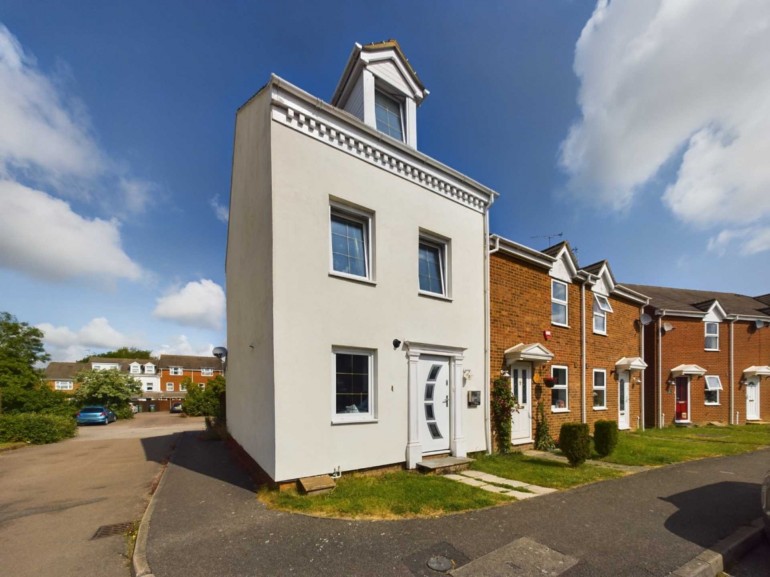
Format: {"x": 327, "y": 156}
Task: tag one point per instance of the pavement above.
{"x": 204, "y": 520}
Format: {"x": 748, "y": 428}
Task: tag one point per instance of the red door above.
{"x": 682, "y": 399}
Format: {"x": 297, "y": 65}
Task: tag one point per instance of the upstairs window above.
{"x": 176, "y": 371}
{"x": 149, "y": 369}
{"x": 388, "y": 113}
{"x": 169, "y": 387}
{"x": 350, "y": 243}
{"x": 601, "y": 308}
{"x": 712, "y": 337}
{"x": 432, "y": 266}
{"x": 136, "y": 368}
{"x": 207, "y": 372}
{"x": 713, "y": 386}
{"x": 559, "y": 303}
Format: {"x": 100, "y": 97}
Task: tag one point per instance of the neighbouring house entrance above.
{"x": 752, "y": 399}
{"x": 521, "y": 416}
{"x": 682, "y": 410}
{"x": 433, "y": 375}
{"x": 624, "y": 408}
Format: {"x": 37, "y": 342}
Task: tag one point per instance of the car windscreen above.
{"x": 92, "y": 410}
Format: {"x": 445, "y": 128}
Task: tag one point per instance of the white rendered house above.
{"x": 356, "y": 280}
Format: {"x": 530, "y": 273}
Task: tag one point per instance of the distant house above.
{"x": 174, "y": 369}
{"x": 60, "y": 376}
{"x": 568, "y": 337}
{"x": 355, "y": 280}
{"x": 709, "y": 356}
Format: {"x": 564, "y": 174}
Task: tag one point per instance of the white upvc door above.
{"x": 521, "y": 416}
{"x": 433, "y": 375}
{"x": 624, "y": 403}
{"x": 752, "y": 399}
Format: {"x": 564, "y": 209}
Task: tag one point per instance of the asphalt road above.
{"x": 54, "y": 498}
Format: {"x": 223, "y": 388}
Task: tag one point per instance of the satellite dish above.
{"x": 759, "y": 323}
{"x": 219, "y": 352}
{"x": 646, "y": 319}
{"x": 667, "y": 327}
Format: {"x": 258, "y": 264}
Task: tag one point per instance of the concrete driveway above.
{"x": 54, "y": 498}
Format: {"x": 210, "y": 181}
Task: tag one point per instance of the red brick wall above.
{"x": 751, "y": 347}
{"x": 195, "y": 375}
{"x": 520, "y": 312}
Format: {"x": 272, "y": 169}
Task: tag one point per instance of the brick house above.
{"x": 60, "y": 376}
{"x": 708, "y": 355}
{"x": 174, "y": 369}
{"x": 551, "y": 319}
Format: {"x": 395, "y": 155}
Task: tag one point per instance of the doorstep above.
{"x": 444, "y": 465}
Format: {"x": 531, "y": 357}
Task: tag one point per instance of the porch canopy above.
{"x": 757, "y": 371}
{"x": 684, "y": 370}
{"x": 533, "y": 352}
{"x": 630, "y": 364}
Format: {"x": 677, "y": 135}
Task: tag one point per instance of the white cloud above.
{"x": 42, "y": 237}
{"x": 197, "y": 304}
{"x": 62, "y": 343}
{"x": 136, "y": 193}
{"x": 661, "y": 78}
{"x": 221, "y": 211}
{"x": 753, "y": 240}
{"x": 181, "y": 345}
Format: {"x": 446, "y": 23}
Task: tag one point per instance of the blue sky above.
{"x": 635, "y": 129}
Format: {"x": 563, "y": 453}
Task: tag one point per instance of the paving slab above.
{"x": 521, "y": 558}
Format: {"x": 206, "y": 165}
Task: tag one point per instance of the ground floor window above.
{"x": 559, "y": 396}
{"x": 353, "y": 384}
{"x": 600, "y": 389}
{"x": 63, "y": 385}
{"x": 713, "y": 386}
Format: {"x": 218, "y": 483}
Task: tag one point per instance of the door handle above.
{"x": 446, "y": 400}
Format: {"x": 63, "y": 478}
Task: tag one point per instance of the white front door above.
{"x": 624, "y": 404}
{"x": 433, "y": 375}
{"x": 752, "y": 399}
{"x": 521, "y": 416}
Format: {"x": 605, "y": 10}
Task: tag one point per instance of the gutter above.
{"x": 583, "y": 411}
{"x": 731, "y": 418}
{"x": 487, "y": 330}
{"x": 642, "y": 408}
{"x": 659, "y": 335}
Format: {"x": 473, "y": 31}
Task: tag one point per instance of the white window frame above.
{"x": 360, "y": 417}
{"x": 711, "y": 335}
{"x": 148, "y": 387}
{"x": 713, "y": 384}
{"x": 136, "y": 369}
{"x": 63, "y": 385}
{"x": 601, "y": 306}
{"x": 149, "y": 369}
{"x": 169, "y": 387}
{"x": 401, "y": 112}
{"x": 564, "y": 387}
{"x": 602, "y": 388}
{"x": 560, "y": 302}
{"x": 360, "y": 216}
{"x": 176, "y": 371}
{"x": 207, "y": 372}
{"x": 444, "y": 252}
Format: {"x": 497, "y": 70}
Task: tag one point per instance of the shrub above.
{"x": 543, "y": 439}
{"x": 605, "y": 437}
{"x": 205, "y": 401}
{"x": 123, "y": 412}
{"x": 575, "y": 442}
{"x": 502, "y": 405}
{"x": 36, "y": 428}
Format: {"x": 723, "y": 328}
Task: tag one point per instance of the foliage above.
{"x": 111, "y": 388}
{"x": 36, "y": 429}
{"x": 122, "y": 353}
{"x": 205, "y": 400}
{"x": 502, "y": 403}
{"x": 123, "y": 412}
{"x": 543, "y": 439}
{"x": 21, "y": 348}
{"x": 386, "y": 496}
{"x": 605, "y": 437}
{"x": 38, "y": 399}
{"x": 575, "y": 442}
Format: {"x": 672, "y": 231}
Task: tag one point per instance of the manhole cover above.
{"x": 440, "y": 563}
{"x": 110, "y": 530}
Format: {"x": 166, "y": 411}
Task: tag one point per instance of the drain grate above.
{"x": 110, "y": 530}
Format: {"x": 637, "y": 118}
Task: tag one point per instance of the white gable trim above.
{"x": 630, "y": 364}
{"x": 533, "y": 352}
{"x": 715, "y": 314}
{"x": 563, "y": 268}
{"x": 390, "y": 55}
{"x": 757, "y": 371}
{"x": 604, "y": 284}
{"x": 682, "y": 370}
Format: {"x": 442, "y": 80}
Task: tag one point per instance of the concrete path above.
{"x": 54, "y": 498}
{"x": 207, "y": 521}
{"x": 501, "y": 485}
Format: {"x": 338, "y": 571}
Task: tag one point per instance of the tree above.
{"x": 21, "y": 348}
{"x": 205, "y": 400}
{"x": 111, "y": 388}
{"x": 122, "y": 353}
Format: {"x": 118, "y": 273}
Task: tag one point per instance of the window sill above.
{"x": 711, "y": 350}
{"x": 712, "y": 404}
{"x": 434, "y": 296}
{"x": 359, "y": 421}
{"x": 604, "y": 334}
{"x": 560, "y": 325}
{"x": 600, "y": 408}
{"x": 559, "y": 410}
{"x": 354, "y": 278}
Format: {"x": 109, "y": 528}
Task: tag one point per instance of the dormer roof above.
{"x": 699, "y": 304}
{"x": 565, "y": 267}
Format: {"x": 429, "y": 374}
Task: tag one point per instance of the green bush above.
{"x": 605, "y": 437}
{"x": 575, "y": 442}
{"x": 205, "y": 400}
{"x": 502, "y": 405}
{"x": 123, "y": 412}
{"x": 37, "y": 429}
{"x": 543, "y": 439}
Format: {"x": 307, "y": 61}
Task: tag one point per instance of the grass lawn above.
{"x": 676, "y": 444}
{"x": 388, "y": 496}
{"x": 541, "y": 472}
{"x": 11, "y": 446}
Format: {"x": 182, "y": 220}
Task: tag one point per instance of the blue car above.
{"x": 95, "y": 415}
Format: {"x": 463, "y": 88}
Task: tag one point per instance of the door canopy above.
{"x": 533, "y": 352}
{"x": 757, "y": 371}
{"x": 630, "y": 364}
{"x": 685, "y": 370}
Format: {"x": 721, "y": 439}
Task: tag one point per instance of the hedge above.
{"x": 575, "y": 442}
{"x": 36, "y": 428}
{"x": 605, "y": 437}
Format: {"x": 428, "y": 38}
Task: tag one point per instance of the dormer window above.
{"x": 136, "y": 368}
{"x": 149, "y": 369}
{"x": 389, "y": 115}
